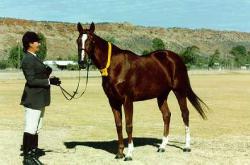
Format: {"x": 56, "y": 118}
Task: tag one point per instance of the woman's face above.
{"x": 34, "y": 46}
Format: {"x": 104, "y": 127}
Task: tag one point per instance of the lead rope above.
{"x": 69, "y": 96}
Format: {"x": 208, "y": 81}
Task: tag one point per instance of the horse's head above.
{"x": 85, "y": 42}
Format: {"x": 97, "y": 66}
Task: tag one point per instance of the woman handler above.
{"x": 36, "y": 95}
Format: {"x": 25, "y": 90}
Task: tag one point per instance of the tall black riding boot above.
{"x": 30, "y": 157}
{"x": 36, "y": 141}
{"x": 37, "y": 150}
{"x": 34, "y": 144}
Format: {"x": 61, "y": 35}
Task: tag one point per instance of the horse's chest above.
{"x": 114, "y": 89}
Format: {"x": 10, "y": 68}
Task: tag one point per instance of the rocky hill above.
{"x": 61, "y": 37}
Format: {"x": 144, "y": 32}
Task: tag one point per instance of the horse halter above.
{"x": 104, "y": 71}
{"x": 65, "y": 93}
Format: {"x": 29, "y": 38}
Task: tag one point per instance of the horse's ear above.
{"x": 79, "y": 27}
{"x": 92, "y": 27}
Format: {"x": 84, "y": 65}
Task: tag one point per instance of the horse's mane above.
{"x": 101, "y": 40}
{"x": 115, "y": 48}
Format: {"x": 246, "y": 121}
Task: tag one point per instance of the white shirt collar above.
{"x": 32, "y": 53}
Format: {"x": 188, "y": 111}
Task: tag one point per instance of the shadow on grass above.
{"x": 40, "y": 152}
{"x": 111, "y": 146}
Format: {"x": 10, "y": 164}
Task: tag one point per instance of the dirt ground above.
{"x": 82, "y": 132}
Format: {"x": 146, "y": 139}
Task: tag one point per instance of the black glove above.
{"x": 54, "y": 81}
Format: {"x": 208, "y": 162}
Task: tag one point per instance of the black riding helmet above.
{"x": 29, "y": 37}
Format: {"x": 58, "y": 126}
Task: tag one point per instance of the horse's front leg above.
{"x": 116, "y": 108}
{"x": 128, "y": 109}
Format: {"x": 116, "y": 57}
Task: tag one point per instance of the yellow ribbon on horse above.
{"x": 104, "y": 72}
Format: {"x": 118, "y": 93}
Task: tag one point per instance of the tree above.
{"x": 248, "y": 57}
{"x": 190, "y": 55}
{"x": 4, "y": 64}
{"x": 214, "y": 58}
{"x": 158, "y": 44}
{"x": 42, "y": 53}
{"x": 15, "y": 56}
{"x": 145, "y": 52}
{"x": 240, "y": 55}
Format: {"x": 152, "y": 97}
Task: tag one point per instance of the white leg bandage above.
{"x": 164, "y": 142}
{"x": 32, "y": 118}
{"x": 130, "y": 149}
{"x": 188, "y": 139}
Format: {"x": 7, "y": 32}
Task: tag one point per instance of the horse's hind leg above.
{"x": 166, "y": 115}
{"x": 182, "y": 100}
{"x": 116, "y": 109}
{"x": 128, "y": 110}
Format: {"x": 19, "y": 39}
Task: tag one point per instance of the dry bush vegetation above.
{"x": 61, "y": 37}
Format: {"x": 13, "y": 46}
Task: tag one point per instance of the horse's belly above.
{"x": 149, "y": 92}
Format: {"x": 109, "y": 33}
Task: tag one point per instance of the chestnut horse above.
{"x": 127, "y": 77}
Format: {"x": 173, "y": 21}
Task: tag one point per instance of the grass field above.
{"x": 83, "y": 131}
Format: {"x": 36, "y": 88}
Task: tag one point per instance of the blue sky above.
{"x": 212, "y": 14}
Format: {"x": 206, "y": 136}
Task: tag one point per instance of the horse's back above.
{"x": 163, "y": 59}
{"x": 162, "y": 62}
{"x": 169, "y": 66}
{"x": 175, "y": 66}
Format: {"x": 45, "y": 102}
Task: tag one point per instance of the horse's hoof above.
{"x": 128, "y": 158}
{"x": 119, "y": 156}
{"x": 186, "y": 150}
{"x": 161, "y": 150}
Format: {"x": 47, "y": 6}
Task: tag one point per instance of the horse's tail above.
{"x": 198, "y": 104}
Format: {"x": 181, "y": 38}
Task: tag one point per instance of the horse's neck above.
{"x": 101, "y": 52}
